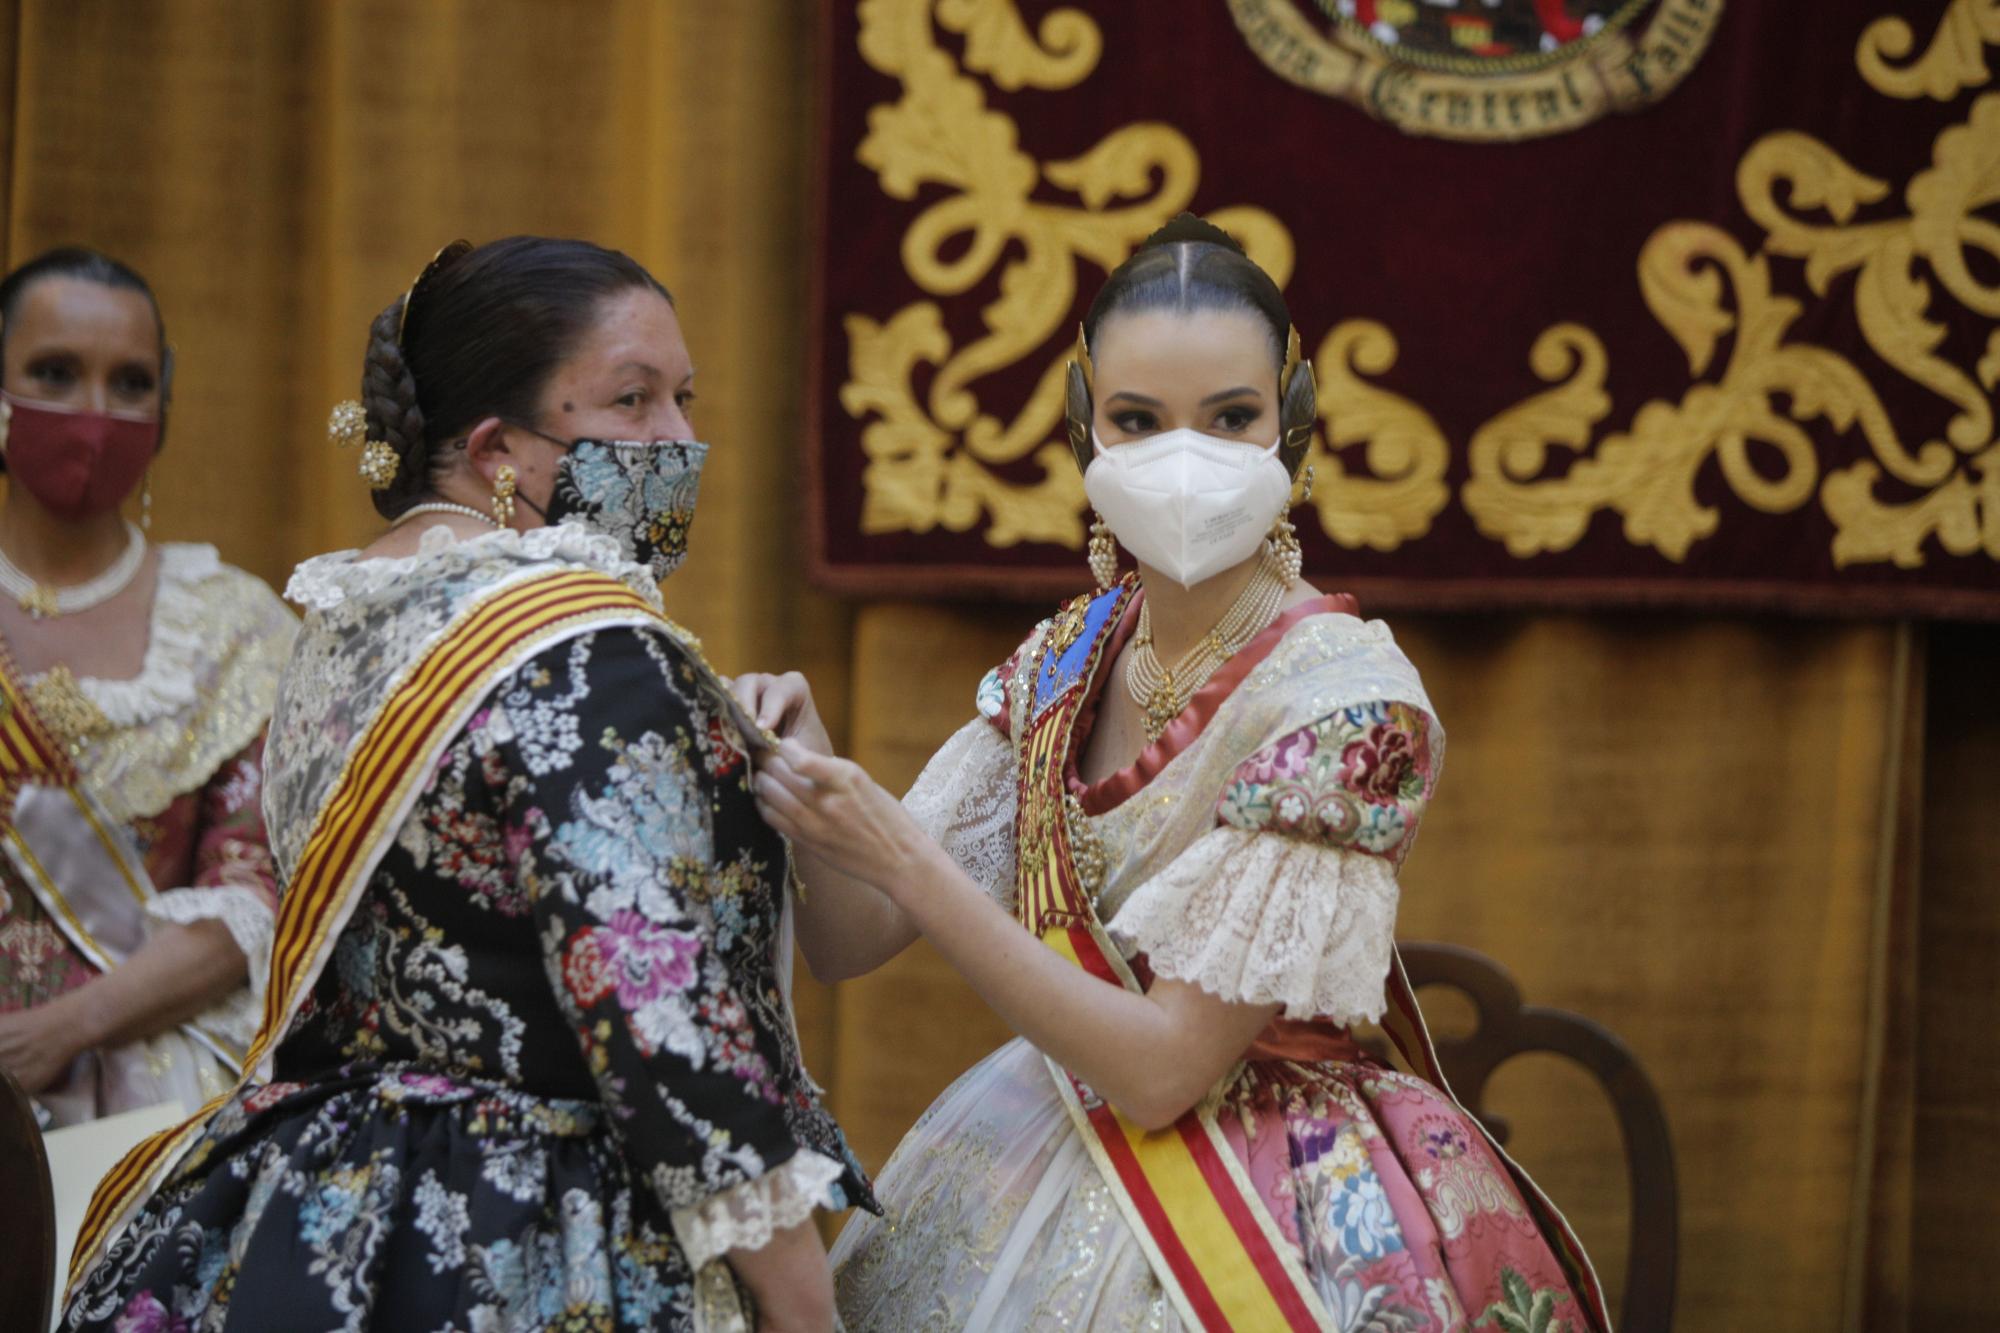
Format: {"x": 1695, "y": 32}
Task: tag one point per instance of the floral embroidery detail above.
{"x": 721, "y": 749}
{"x": 1359, "y": 1211}
{"x": 1380, "y": 765}
{"x": 1525, "y": 1309}
{"x": 1358, "y": 778}
{"x": 442, "y": 1216}
{"x": 991, "y": 697}
{"x": 144, "y": 1314}
{"x": 648, "y": 960}
{"x": 1360, "y": 1306}
{"x": 586, "y": 971}
{"x": 1459, "y": 1176}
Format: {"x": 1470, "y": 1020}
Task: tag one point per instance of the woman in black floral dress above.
{"x": 544, "y": 1075}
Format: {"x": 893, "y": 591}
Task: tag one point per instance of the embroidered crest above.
{"x": 1482, "y": 69}
{"x": 1072, "y": 642}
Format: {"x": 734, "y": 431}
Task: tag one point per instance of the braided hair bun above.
{"x": 389, "y": 396}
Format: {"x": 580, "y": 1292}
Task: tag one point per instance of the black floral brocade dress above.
{"x": 549, "y": 1071}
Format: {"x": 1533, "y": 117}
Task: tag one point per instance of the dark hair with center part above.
{"x": 486, "y": 330}
{"x": 1191, "y": 265}
{"x": 85, "y": 265}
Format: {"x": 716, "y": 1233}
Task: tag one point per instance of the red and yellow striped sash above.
{"x": 29, "y": 752}
{"x": 1192, "y": 1207}
{"x": 352, "y": 828}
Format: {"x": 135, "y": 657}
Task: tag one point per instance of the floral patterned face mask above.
{"x": 639, "y": 493}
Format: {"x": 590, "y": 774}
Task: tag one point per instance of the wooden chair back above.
{"x": 1508, "y": 1028}
{"x": 28, "y": 1272}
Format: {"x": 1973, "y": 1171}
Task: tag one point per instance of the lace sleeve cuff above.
{"x": 1261, "y": 918}
{"x": 964, "y": 799}
{"x": 237, "y": 1015}
{"x": 248, "y": 918}
{"x": 746, "y": 1216}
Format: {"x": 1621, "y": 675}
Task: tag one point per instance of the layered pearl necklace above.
{"x": 46, "y": 600}
{"x": 1163, "y": 691}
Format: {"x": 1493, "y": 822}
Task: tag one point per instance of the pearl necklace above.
{"x": 45, "y": 600}
{"x": 1163, "y": 691}
{"x": 443, "y": 507}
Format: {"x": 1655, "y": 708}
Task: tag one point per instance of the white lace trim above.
{"x": 965, "y": 800}
{"x": 251, "y": 925}
{"x": 325, "y": 581}
{"x": 746, "y": 1216}
{"x": 177, "y": 649}
{"x": 1261, "y": 918}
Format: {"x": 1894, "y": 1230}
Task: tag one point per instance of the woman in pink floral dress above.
{"x": 1198, "y": 784}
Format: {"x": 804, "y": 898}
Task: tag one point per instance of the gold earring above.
{"x": 503, "y": 495}
{"x": 1284, "y": 537}
{"x": 146, "y": 502}
{"x": 1103, "y": 553}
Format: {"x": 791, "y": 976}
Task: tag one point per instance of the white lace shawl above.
{"x": 216, "y": 644}
{"x": 965, "y": 800}
{"x": 1254, "y": 917}
{"x": 367, "y": 624}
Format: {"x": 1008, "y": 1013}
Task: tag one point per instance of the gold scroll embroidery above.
{"x": 1703, "y": 288}
{"x": 943, "y": 457}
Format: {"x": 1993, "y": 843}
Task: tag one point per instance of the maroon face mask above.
{"x": 77, "y": 464}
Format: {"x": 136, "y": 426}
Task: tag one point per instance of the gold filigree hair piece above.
{"x": 1081, "y": 385}
{"x": 347, "y": 428}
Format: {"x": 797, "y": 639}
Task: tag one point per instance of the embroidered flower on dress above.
{"x": 1360, "y": 1212}
{"x": 646, "y": 960}
{"x": 1356, "y": 778}
{"x": 441, "y": 1215}
{"x": 144, "y": 1314}
{"x": 720, "y": 750}
{"x": 1286, "y": 758}
{"x": 1379, "y": 764}
{"x": 586, "y": 972}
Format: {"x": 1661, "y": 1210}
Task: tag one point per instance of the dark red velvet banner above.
{"x": 1627, "y": 302}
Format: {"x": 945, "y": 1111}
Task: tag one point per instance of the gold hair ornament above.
{"x": 347, "y": 427}
{"x": 1298, "y": 404}
{"x": 1081, "y": 385}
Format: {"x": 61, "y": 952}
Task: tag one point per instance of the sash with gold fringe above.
{"x": 359, "y": 818}
{"x": 72, "y": 855}
{"x": 1192, "y": 1206}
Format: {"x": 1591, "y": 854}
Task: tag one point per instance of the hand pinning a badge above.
{"x": 830, "y": 807}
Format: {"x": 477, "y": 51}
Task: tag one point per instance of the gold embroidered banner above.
{"x": 1611, "y": 301}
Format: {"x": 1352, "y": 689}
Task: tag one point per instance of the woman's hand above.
{"x": 37, "y": 1045}
{"x": 789, "y": 1281}
{"x": 784, "y": 706}
{"x": 831, "y": 808}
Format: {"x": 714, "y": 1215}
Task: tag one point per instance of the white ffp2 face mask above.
{"x": 1187, "y": 504}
